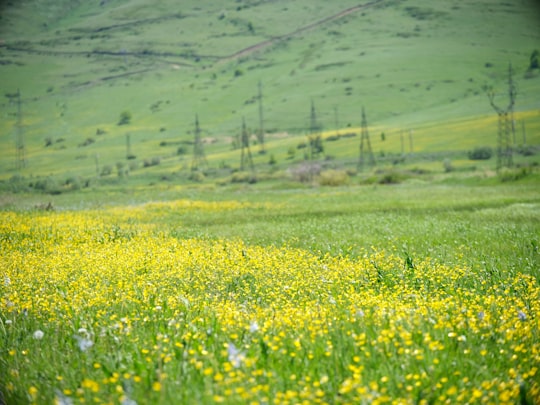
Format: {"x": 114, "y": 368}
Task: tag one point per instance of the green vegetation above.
{"x": 253, "y": 295}
{"x": 417, "y": 66}
{"x": 147, "y": 260}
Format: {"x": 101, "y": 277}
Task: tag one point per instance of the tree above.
{"x": 534, "y": 63}
{"x": 125, "y": 118}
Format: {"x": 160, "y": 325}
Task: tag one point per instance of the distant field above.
{"x": 417, "y": 66}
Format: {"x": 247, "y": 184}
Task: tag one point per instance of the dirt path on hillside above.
{"x": 261, "y": 45}
{"x": 153, "y": 54}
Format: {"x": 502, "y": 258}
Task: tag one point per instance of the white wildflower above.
{"x": 128, "y": 401}
{"x": 83, "y": 342}
{"x": 38, "y": 334}
{"x": 253, "y": 327}
{"x": 62, "y": 399}
{"x": 236, "y": 357}
{"x": 83, "y": 331}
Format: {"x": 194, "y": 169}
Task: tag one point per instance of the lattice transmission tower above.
{"x": 365, "y": 144}
{"x": 505, "y": 124}
{"x": 245, "y": 154}
{"x": 199, "y": 158}
{"x": 260, "y": 135}
{"x": 20, "y": 160}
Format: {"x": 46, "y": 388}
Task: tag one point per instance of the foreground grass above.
{"x": 362, "y": 295}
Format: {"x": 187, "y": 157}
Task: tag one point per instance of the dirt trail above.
{"x": 152, "y": 54}
{"x": 269, "y": 42}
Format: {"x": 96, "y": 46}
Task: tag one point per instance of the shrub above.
{"x": 47, "y": 185}
{"x": 182, "y": 150}
{"x": 156, "y": 160}
{"x": 240, "y": 177}
{"x": 291, "y": 152}
{"x": 333, "y": 178}
{"x": 16, "y": 183}
{"x": 392, "y": 177}
{"x": 125, "y": 118}
{"x": 534, "y": 64}
{"x": 526, "y": 150}
{"x": 507, "y": 174}
{"x": 73, "y": 183}
{"x": 121, "y": 169}
{"x": 197, "y": 176}
{"x": 332, "y": 138}
{"x": 448, "y": 167}
{"x": 481, "y": 153}
{"x": 133, "y": 166}
{"x": 87, "y": 141}
{"x": 305, "y": 172}
{"x": 106, "y": 170}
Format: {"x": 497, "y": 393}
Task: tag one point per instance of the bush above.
{"x": 507, "y": 174}
{"x": 73, "y": 183}
{"x": 106, "y": 170}
{"x": 526, "y": 150}
{"x": 133, "y": 166}
{"x": 16, "y": 183}
{"x": 305, "y": 172}
{"x": 125, "y": 118}
{"x": 448, "y": 167}
{"x": 481, "y": 153}
{"x": 392, "y": 177}
{"x": 241, "y": 177}
{"x": 291, "y": 152}
{"x": 182, "y": 150}
{"x": 197, "y": 176}
{"x": 47, "y": 185}
{"x": 87, "y": 141}
{"x": 156, "y": 160}
{"x": 121, "y": 169}
{"x": 333, "y": 178}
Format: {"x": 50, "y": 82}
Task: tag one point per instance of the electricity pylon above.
{"x": 364, "y": 139}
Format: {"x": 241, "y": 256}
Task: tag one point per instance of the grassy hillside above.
{"x": 417, "y": 66}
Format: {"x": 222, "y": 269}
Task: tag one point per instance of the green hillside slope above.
{"x": 417, "y": 66}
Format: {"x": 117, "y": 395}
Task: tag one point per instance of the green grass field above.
{"x": 417, "y": 66}
{"x": 306, "y": 279}
{"x": 412, "y": 293}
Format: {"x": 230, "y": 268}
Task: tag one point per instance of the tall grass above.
{"x": 353, "y": 295}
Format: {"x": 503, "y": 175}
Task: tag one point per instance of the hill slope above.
{"x": 415, "y": 65}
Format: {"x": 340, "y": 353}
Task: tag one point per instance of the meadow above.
{"x": 411, "y": 293}
{"x": 417, "y": 67}
{"x": 136, "y": 272}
